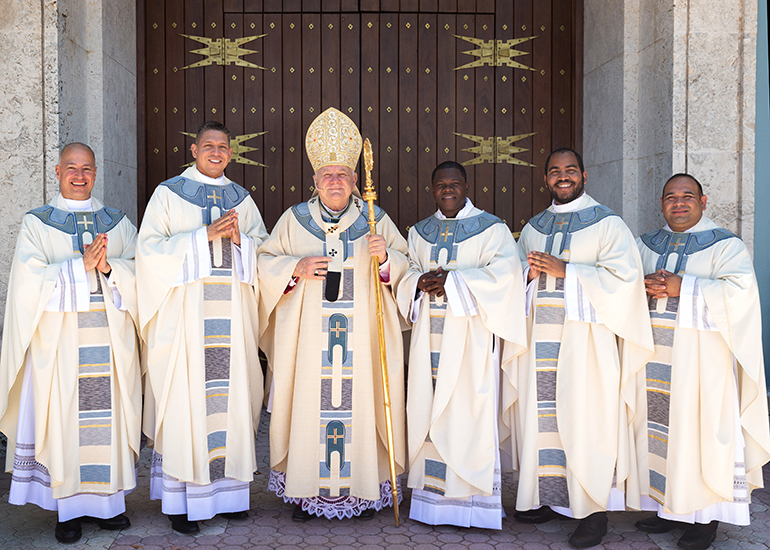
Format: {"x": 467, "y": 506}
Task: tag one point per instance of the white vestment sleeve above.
{"x": 576, "y": 301}
{"x": 117, "y": 299}
{"x": 459, "y": 296}
{"x": 245, "y": 269}
{"x": 197, "y": 262}
{"x": 693, "y": 311}
{"x": 73, "y": 288}
{"x": 529, "y": 290}
{"x": 416, "y": 303}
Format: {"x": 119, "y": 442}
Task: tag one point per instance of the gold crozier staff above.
{"x": 370, "y": 195}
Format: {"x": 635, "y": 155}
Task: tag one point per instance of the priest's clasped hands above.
{"x": 226, "y": 226}
{"x": 540, "y": 262}
{"x": 315, "y": 267}
{"x": 662, "y": 284}
{"x": 95, "y": 255}
{"x": 432, "y": 282}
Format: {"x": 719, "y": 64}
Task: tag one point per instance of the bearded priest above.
{"x": 328, "y": 445}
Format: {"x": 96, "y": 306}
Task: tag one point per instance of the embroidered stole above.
{"x": 336, "y": 415}
{"x": 547, "y": 327}
{"x": 94, "y": 380}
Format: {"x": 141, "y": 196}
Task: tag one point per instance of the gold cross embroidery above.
{"x": 677, "y": 244}
{"x": 214, "y": 196}
{"x": 336, "y": 330}
{"x": 564, "y": 221}
{"x": 85, "y": 222}
{"x": 446, "y": 233}
{"x": 335, "y": 436}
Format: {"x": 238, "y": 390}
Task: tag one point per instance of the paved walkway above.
{"x": 270, "y": 526}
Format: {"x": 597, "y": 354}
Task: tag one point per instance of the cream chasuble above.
{"x": 200, "y": 331}
{"x": 686, "y": 401}
{"x": 574, "y": 388}
{"x": 84, "y": 355}
{"x": 327, "y": 430}
{"x": 454, "y": 378}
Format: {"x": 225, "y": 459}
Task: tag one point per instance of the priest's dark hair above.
{"x": 212, "y": 125}
{"x": 682, "y": 175}
{"x": 448, "y": 165}
{"x": 76, "y": 145}
{"x": 561, "y": 150}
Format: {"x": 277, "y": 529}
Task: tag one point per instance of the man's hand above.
{"x": 95, "y": 254}
{"x": 662, "y": 284}
{"x": 541, "y": 262}
{"x": 312, "y": 267}
{"x": 377, "y": 247}
{"x": 226, "y": 226}
{"x": 432, "y": 282}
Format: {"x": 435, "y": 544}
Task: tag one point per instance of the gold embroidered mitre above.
{"x": 333, "y": 139}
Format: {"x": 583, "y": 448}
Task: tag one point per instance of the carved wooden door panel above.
{"x": 396, "y": 67}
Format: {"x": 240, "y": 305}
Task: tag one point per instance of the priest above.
{"x": 589, "y": 334}
{"x": 319, "y": 331}
{"x": 465, "y": 297}
{"x": 701, "y": 425}
{"x": 196, "y": 275}
{"x": 70, "y": 402}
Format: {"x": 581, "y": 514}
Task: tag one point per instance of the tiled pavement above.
{"x": 270, "y": 526}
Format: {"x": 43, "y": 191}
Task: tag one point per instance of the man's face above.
{"x": 449, "y": 190}
{"x": 212, "y": 153}
{"x": 564, "y": 180}
{"x": 682, "y": 204}
{"x": 335, "y": 184}
{"x": 76, "y": 172}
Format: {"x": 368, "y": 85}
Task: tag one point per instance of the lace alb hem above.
{"x": 334, "y": 507}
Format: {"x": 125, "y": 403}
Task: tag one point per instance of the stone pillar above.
{"x": 670, "y": 87}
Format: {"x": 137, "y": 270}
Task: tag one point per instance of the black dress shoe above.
{"x": 301, "y": 515}
{"x": 367, "y": 514}
{"x": 181, "y": 524}
{"x": 699, "y": 536}
{"x": 68, "y": 531}
{"x": 235, "y": 515}
{"x": 110, "y": 524}
{"x": 657, "y": 524}
{"x": 536, "y": 515}
{"x": 590, "y": 531}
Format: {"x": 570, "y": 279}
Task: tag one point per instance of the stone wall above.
{"x": 68, "y": 74}
{"x": 670, "y": 87}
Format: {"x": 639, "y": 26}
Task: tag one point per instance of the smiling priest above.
{"x": 70, "y": 393}
{"x": 196, "y": 277}
{"x": 328, "y": 446}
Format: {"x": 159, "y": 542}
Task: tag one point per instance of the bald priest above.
{"x": 328, "y": 451}
{"x": 70, "y": 395}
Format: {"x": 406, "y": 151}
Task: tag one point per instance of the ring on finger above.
{"x": 315, "y": 273}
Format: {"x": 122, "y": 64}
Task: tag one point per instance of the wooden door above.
{"x": 393, "y": 66}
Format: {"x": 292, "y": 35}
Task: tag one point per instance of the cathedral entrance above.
{"x": 494, "y": 84}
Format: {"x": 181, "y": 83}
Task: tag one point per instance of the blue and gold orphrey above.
{"x": 444, "y": 235}
{"x": 548, "y": 324}
{"x": 214, "y": 201}
{"x": 95, "y": 387}
{"x": 81, "y": 226}
{"x": 673, "y": 250}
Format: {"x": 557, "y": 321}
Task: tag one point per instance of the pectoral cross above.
{"x": 446, "y": 233}
{"x": 335, "y": 436}
{"x": 85, "y": 222}
{"x": 214, "y": 196}
{"x": 336, "y": 330}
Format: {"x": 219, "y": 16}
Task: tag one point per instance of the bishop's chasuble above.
{"x": 589, "y": 334}
{"x": 327, "y": 430}
{"x": 71, "y": 397}
{"x": 701, "y": 425}
{"x": 454, "y": 368}
{"x": 199, "y": 319}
